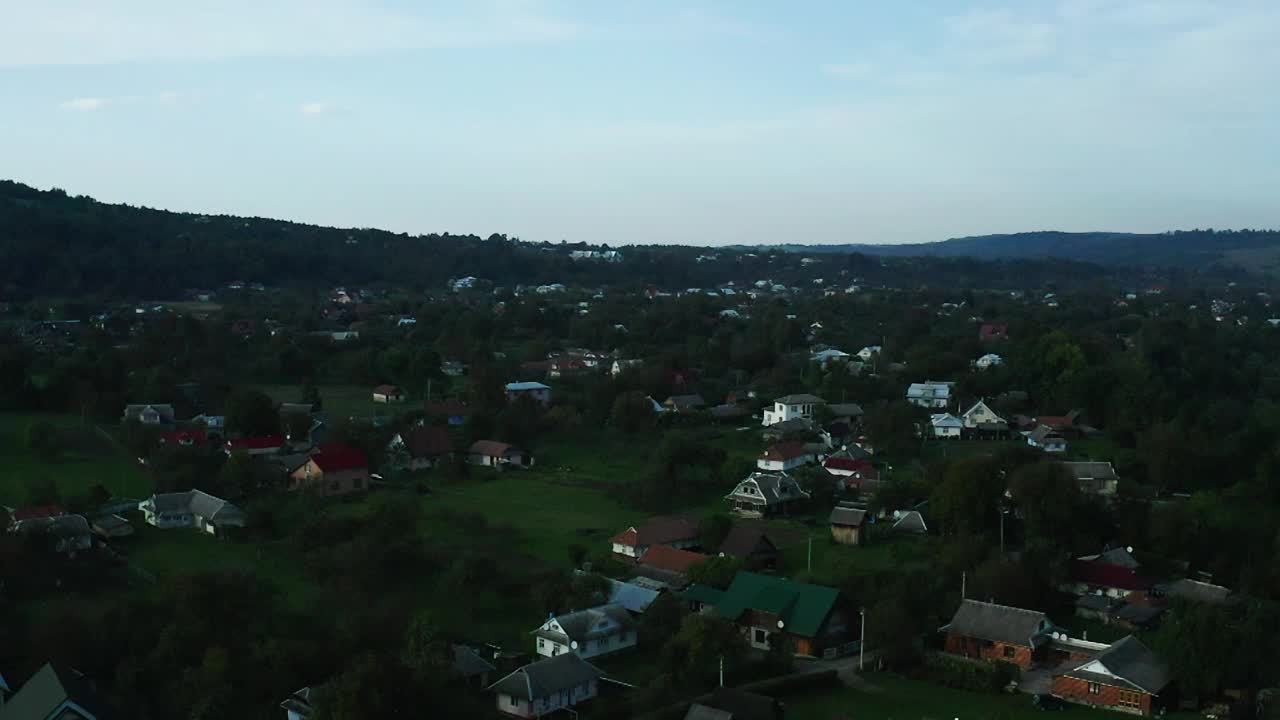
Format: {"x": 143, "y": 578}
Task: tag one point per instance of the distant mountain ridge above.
{"x": 1184, "y": 249}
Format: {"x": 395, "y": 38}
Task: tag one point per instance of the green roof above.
{"x": 704, "y": 594}
{"x": 801, "y": 606}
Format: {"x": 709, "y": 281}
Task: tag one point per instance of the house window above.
{"x": 761, "y": 636}
{"x": 542, "y": 643}
{"x": 513, "y": 701}
{"x": 1010, "y": 651}
{"x": 1095, "y": 688}
{"x": 1130, "y": 699}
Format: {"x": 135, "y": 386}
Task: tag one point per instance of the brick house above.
{"x": 1126, "y": 677}
{"x": 332, "y": 470}
{"x": 998, "y": 633}
{"x": 677, "y": 531}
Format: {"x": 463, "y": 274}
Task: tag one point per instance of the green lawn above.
{"x": 592, "y": 458}
{"x": 339, "y": 401}
{"x": 882, "y": 551}
{"x": 85, "y": 459}
{"x": 897, "y": 698}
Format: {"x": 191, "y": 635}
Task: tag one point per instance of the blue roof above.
{"x": 527, "y": 386}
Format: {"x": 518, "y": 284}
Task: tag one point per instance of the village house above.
{"x": 19, "y": 517}
{"x": 110, "y": 527}
{"x": 930, "y": 394}
{"x": 677, "y": 531}
{"x": 684, "y": 403}
{"x": 1094, "y": 478}
{"x": 497, "y": 455}
{"x": 636, "y": 598}
{"x": 725, "y": 703}
{"x": 848, "y": 524}
{"x": 668, "y": 564}
{"x": 998, "y": 633}
{"x": 764, "y": 494}
{"x": 1115, "y": 573}
{"x": 784, "y": 456}
{"x": 55, "y": 693}
{"x": 791, "y": 407}
{"x": 1047, "y": 439}
{"x": 945, "y": 426}
{"x": 848, "y": 413}
{"x": 587, "y": 633}
{"x": 471, "y": 667}
{"x": 993, "y": 331}
{"x": 752, "y": 546}
{"x": 420, "y": 447}
{"x": 868, "y": 353}
{"x": 982, "y": 418}
{"x": 149, "y": 414}
{"x": 854, "y": 474}
{"x": 388, "y": 394}
{"x": 817, "y": 620}
{"x": 550, "y": 684}
{"x": 828, "y": 356}
{"x": 988, "y": 361}
{"x": 193, "y": 508}
{"x": 254, "y": 446}
{"x": 540, "y": 393}
{"x": 1126, "y": 677}
{"x": 332, "y": 470}
{"x": 621, "y": 366}
{"x": 62, "y": 533}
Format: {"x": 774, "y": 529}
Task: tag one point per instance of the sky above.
{"x": 743, "y": 121}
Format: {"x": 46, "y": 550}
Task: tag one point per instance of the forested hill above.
{"x": 55, "y": 244}
{"x": 1250, "y": 249}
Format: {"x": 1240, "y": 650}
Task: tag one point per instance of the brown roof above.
{"x": 665, "y": 557}
{"x": 785, "y": 451}
{"x": 489, "y": 448}
{"x": 743, "y": 540}
{"x": 425, "y": 442}
{"x": 659, "y": 530}
{"x": 386, "y": 390}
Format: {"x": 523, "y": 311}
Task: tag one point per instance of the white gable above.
{"x": 1098, "y": 668}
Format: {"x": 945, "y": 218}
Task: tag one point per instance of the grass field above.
{"x": 897, "y": 698}
{"x": 882, "y": 552}
{"x": 339, "y": 401}
{"x": 85, "y": 459}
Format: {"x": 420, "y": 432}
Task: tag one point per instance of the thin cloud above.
{"x": 317, "y": 107}
{"x": 854, "y": 69}
{"x": 83, "y": 104}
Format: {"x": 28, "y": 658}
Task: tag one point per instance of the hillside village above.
{"x": 753, "y": 500}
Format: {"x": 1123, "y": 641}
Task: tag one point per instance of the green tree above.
{"x": 717, "y": 572}
{"x": 632, "y": 413}
{"x": 713, "y": 529}
{"x": 894, "y": 428}
{"x": 251, "y": 412}
{"x": 42, "y": 439}
{"x": 694, "y": 653}
{"x": 968, "y": 499}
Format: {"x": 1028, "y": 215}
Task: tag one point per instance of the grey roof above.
{"x": 468, "y": 663}
{"x": 1090, "y": 470}
{"x": 801, "y": 399}
{"x": 733, "y": 704}
{"x": 846, "y": 409}
{"x": 1130, "y": 664}
{"x": 1139, "y": 615}
{"x": 634, "y": 598}
{"x": 107, "y": 523}
{"x": 290, "y": 461}
{"x": 584, "y": 625}
{"x": 1043, "y": 433}
{"x": 1120, "y": 557}
{"x": 774, "y": 488}
{"x": 998, "y": 623}
{"x": 299, "y": 702}
{"x": 845, "y": 515}
{"x": 1093, "y": 602}
{"x": 544, "y": 677}
{"x": 1202, "y": 592}
{"x": 687, "y": 401}
{"x": 59, "y": 525}
{"x": 729, "y": 410}
{"x": 197, "y": 502}
{"x": 792, "y": 425}
{"x": 743, "y": 540}
{"x": 296, "y": 408}
{"x": 911, "y": 521}
{"x": 134, "y": 412}
{"x": 47, "y": 689}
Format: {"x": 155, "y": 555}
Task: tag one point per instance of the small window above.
{"x": 1095, "y": 688}
{"x": 1130, "y": 699}
{"x": 761, "y": 636}
{"x": 542, "y": 643}
{"x": 513, "y": 701}
{"x": 1010, "y": 651}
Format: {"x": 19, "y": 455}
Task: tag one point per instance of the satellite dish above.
{"x": 781, "y": 624}
{"x": 573, "y": 644}
{"x": 1129, "y": 549}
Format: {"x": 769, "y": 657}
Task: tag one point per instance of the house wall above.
{"x": 783, "y": 465}
{"x": 946, "y": 432}
{"x": 846, "y": 535}
{"x": 979, "y": 649}
{"x": 328, "y": 484}
{"x": 1108, "y": 696}
{"x": 515, "y": 706}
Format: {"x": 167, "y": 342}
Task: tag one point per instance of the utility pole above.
{"x": 964, "y": 575}
{"x": 1001, "y": 532}
{"x": 810, "y": 561}
{"x": 862, "y": 638}
{"x": 721, "y": 671}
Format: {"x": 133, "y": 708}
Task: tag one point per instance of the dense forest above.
{"x": 58, "y": 245}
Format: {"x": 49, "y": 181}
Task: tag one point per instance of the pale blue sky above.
{"x": 697, "y": 122}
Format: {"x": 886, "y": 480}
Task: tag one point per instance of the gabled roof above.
{"x": 911, "y": 521}
{"x": 734, "y": 704}
{"x": 783, "y": 451}
{"x": 48, "y": 690}
{"x": 848, "y": 464}
{"x": 468, "y": 663}
{"x": 489, "y": 448}
{"x": 846, "y": 409}
{"x": 686, "y": 402}
{"x": 196, "y": 502}
{"x": 1202, "y": 592}
{"x": 1043, "y": 433}
{"x": 795, "y": 424}
{"x": 801, "y": 607}
{"x": 1090, "y": 470}
{"x": 930, "y": 390}
{"x": 945, "y": 420}
{"x": 335, "y": 458}
{"x": 801, "y": 399}
{"x": 525, "y": 386}
{"x": 1126, "y": 664}
{"x": 743, "y": 540}
{"x": 634, "y": 598}
{"x": 386, "y": 390}
{"x": 848, "y": 516}
{"x": 659, "y": 530}
{"x": 1097, "y": 573}
{"x": 543, "y": 678}
{"x": 998, "y": 623}
{"x": 665, "y": 557}
{"x": 774, "y": 488}
{"x": 424, "y": 441}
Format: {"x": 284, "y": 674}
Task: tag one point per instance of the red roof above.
{"x": 386, "y": 390}
{"x": 40, "y": 511}
{"x": 335, "y": 458}
{"x": 263, "y": 442}
{"x": 665, "y": 557}
{"x": 1106, "y": 575}
{"x": 658, "y": 530}
{"x": 848, "y": 464}
{"x": 197, "y": 437}
{"x": 784, "y": 451}
{"x": 992, "y": 331}
{"x": 1057, "y": 422}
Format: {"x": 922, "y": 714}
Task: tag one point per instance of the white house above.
{"x": 763, "y": 494}
{"x": 868, "y": 352}
{"x": 979, "y": 415}
{"x": 946, "y": 425}
{"x": 989, "y": 360}
{"x": 790, "y": 407}
{"x": 587, "y": 633}
{"x": 546, "y": 686}
{"x": 930, "y": 394}
{"x": 193, "y": 508}
{"x": 621, "y": 366}
{"x": 149, "y": 414}
{"x": 786, "y": 456}
{"x": 678, "y": 531}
